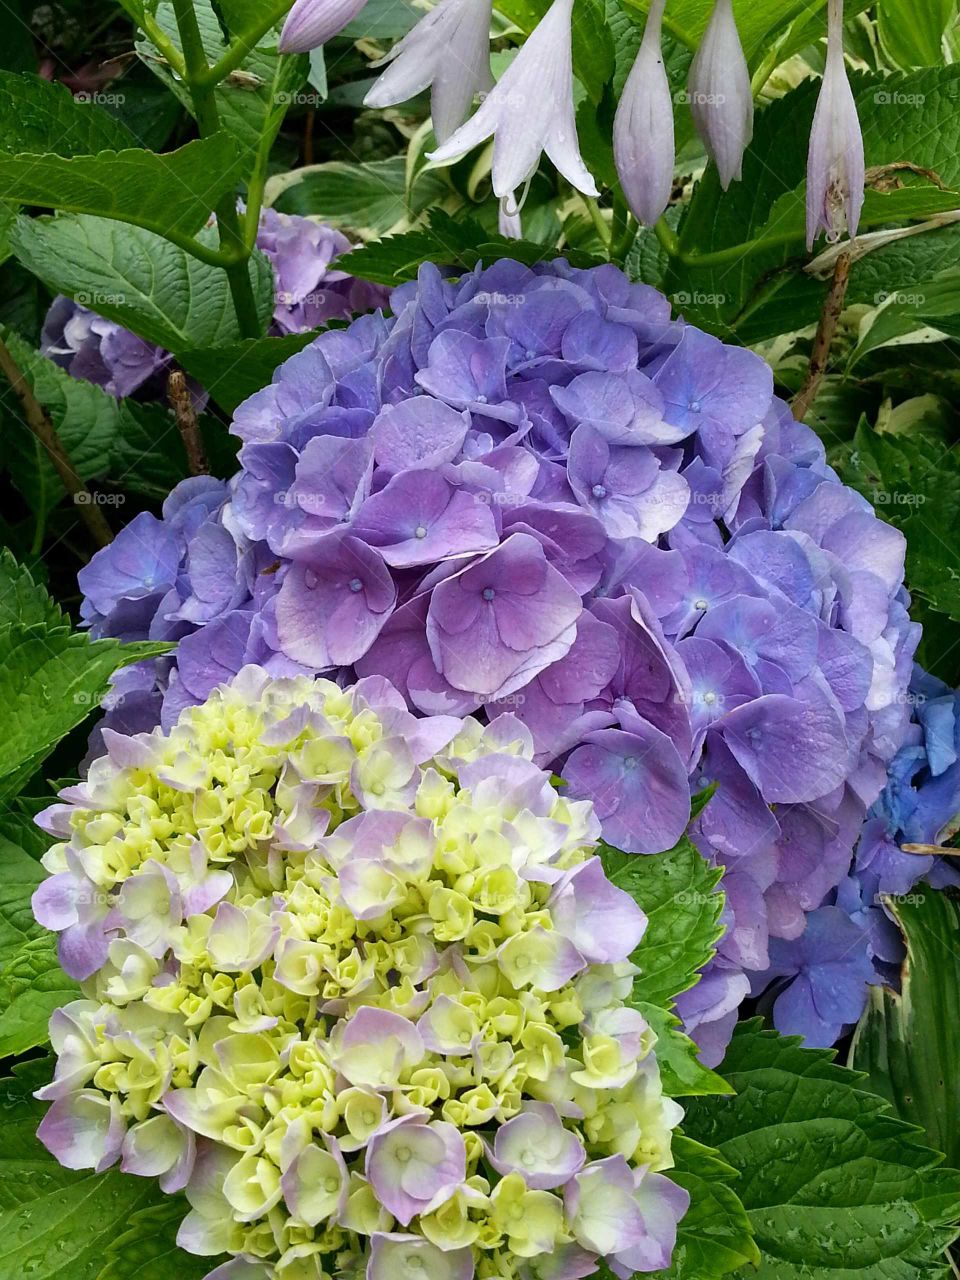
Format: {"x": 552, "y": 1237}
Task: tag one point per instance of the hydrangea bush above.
{"x": 356, "y": 982}
{"x": 533, "y": 489}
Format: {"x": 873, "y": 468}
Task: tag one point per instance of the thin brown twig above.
{"x": 826, "y": 330}
{"x": 39, "y": 422}
{"x": 931, "y": 850}
{"x": 181, "y": 401}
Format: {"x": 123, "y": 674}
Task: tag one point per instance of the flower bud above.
{"x": 643, "y": 137}
{"x": 311, "y": 23}
{"x": 836, "y": 167}
{"x": 721, "y": 97}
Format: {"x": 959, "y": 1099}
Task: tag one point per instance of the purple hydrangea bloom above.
{"x": 531, "y": 490}
{"x": 310, "y": 292}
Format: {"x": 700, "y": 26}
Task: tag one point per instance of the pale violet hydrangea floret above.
{"x": 357, "y": 984}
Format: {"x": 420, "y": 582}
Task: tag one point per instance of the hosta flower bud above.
{"x": 448, "y": 49}
{"x": 643, "y": 136}
{"x": 311, "y": 23}
{"x": 529, "y": 111}
{"x": 721, "y": 98}
{"x": 836, "y": 167}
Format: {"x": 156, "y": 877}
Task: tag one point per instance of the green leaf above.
{"x": 169, "y": 194}
{"x": 233, "y": 373}
{"x": 678, "y": 893}
{"x": 23, "y": 600}
{"x": 683, "y": 1075}
{"x": 32, "y": 984}
{"x": 50, "y": 680}
{"x": 715, "y": 1237}
{"x": 370, "y": 199}
{"x": 908, "y": 1041}
{"x": 835, "y": 1186}
{"x": 930, "y": 304}
{"x": 38, "y": 115}
{"x": 911, "y": 31}
{"x": 148, "y": 1250}
{"x": 138, "y": 279}
{"x": 915, "y": 484}
{"x": 54, "y": 1224}
{"x": 451, "y": 242}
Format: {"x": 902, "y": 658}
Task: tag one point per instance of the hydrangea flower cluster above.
{"x": 532, "y": 489}
{"x": 310, "y": 292}
{"x": 853, "y": 941}
{"x": 355, "y": 982}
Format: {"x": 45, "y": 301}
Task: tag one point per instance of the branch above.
{"x": 38, "y": 420}
{"x": 931, "y": 850}
{"x": 181, "y": 401}
{"x": 826, "y": 330}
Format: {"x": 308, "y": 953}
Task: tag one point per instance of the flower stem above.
{"x": 203, "y": 94}
{"x": 826, "y": 329}
{"x": 241, "y": 45}
{"x": 181, "y": 401}
{"x": 598, "y": 220}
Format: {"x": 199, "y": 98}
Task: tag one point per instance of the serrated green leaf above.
{"x": 23, "y": 600}
{"x": 50, "y": 681}
{"x": 170, "y": 194}
{"x": 149, "y": 1249}
{"x": 833, "y": 1183}
{"x": 908, "y": 1041}
{"x": 32, "y": 985}
{"x": 714, "y": 1239}
{"x": 678, "y": 893}
{"x": 915, "y": 484}
{"x": 682, "y": 1074}
{"x": 38, "y": 115}
{"x": 54, "y": 1224}
{"x": 138, "y": 279}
